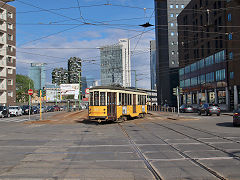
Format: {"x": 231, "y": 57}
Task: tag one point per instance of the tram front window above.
{"x": 96, "y": 98}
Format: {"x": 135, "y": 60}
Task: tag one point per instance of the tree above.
{"x": 22, "y": 87}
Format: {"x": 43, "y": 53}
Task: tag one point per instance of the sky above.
{"x": 52, "y": 31}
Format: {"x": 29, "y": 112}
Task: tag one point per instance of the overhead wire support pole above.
{"x": 79, "y": 94}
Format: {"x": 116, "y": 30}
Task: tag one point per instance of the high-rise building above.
{"x": 153, "y": 64}
{"x": 59, "y": 76}
{"x": 83, "y": 84}
{"x": 7, "y": 54}
{"x": 116, "y": 64}
{"x": 208, "y": 53}
{"x": 166, "y": 12}
{"x": 37, "y": 73}
{"x": 74, "y": 70}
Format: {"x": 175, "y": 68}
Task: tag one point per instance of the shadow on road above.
{"x": 225, "y": 124}
{"x": 89, "y": 122}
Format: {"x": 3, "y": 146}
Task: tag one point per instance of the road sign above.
{"x": 87, "y": 91}
{"x": 30, "y": 92}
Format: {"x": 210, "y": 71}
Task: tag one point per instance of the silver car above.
{"x": 15, "y": 111}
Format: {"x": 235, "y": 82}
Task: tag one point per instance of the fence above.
{"x": 162, "y": 109}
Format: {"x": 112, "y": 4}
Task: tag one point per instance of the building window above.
{"x": 172, "y": 33}
{"x": 173, "y": 62}
{"x": 220, "y": 75}
{"x": 10, "y": 48}
{"x": 172, "y": 43}
{"x": 187, "y": 69}
{"x": 173, "y": 52}
{"x": 177, "y": 6}
{"x": 10, "y": 37}
{"x": 220, "y": 56}
{"x": 182, "y": 6}
{"x": 230, "y": 37}
{"x": 10, "y": 71}
{"x": 10, "y": 26}
{"x": 209, "y": 60}
{"x": 201, "y": 79}
{"x": 230, "y": 55}
{"x": 231, "y": 75}
{"x": 210, "y": 77}
{"x": 229, "y": 17}
{"x": 201, "y": 64}
{"x": 181, "y": 72}
{"x": 172, "y": 24}
{"x": 172, "y": 15}
{"x": 187, "y": 82}
{"x": 193, "y": 67}
{"x": 171, "y": 6}
{"x": 10, "y": 93}
{"x": 10, "y": 82}
{"x": 10, "y": 59}
{"x": 177, "y": 15}
{"x": 182, "y": 84}
{"x": 194, "y": 81}
{"x": 10, "y": 15}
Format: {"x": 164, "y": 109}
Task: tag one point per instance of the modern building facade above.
{"x": 116, "y": 64}
{"x": 153, "y": 65}
{"x": 59, "y": 76}
{"x": 7, "y": 54}
{"x": 74, "y": 70}
{"x": 208, "y": 53}
{"x": 166, "y": 12}
{"x": 37, "y": 72}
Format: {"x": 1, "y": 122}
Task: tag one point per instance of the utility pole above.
{"x": 29, "y": 102}
{"x": 56, "y": 93}
{"x": 79, "y": 94}
{"x": 40, "y": 104}
{"x": 177, "y": 93}
{"x": 135, "y": 79}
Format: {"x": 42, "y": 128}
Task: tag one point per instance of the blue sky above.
{"x": 51, "y": 31}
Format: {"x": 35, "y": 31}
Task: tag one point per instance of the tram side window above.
{"x": 123, "y": 101}
{"x": 120, "y": 99}
{"x": 102, "y": 99}
{"x": 126, "y": 100}
{"x": 96, "y": 98}
{"x": 138, "y": 96}
{"x": 144, "y": 100}
{"x": 130, "y": 99}
{"x": 91, "y": 99}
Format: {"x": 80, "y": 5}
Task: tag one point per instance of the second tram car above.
{"x": 116, "y": 103}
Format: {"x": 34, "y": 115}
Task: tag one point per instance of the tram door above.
{"x": 134, "y": 104}
{"x": 111, "y": 105}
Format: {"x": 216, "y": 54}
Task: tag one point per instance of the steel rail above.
{"x": 141, "y": 155}
{"x": 195, "y": 161}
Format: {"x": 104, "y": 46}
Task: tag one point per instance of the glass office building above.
{"x": 37, "y": 73}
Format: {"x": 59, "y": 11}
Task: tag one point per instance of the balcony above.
{"x": 3, "y": 72}
{"x": 3, "y": 84}
{"x": 3, "y": 97}
{"x": 3, "y": 14}
{"x": 3, "y": 38}
{"x": 3, "y": 26}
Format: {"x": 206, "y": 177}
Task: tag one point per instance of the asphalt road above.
{"x": 157, "y": 148}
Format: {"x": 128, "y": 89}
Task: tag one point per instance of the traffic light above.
{"x": 43, "y": 93}
{"x": 38, "y": 94}
{"x": 175, "y": 91}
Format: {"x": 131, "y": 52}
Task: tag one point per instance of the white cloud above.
{"x": 95, "y": 39}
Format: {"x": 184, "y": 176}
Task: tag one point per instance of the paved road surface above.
{"x": 208, "y": 148}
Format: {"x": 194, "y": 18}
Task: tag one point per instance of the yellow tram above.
{"x": 109, "y": 103}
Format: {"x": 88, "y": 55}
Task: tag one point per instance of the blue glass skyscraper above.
{"x": 37, "y": 73}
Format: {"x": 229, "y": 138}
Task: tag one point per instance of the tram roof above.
{"x": 117, "y": 88}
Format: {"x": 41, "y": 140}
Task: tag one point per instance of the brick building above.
{"x": 209, "y": 52}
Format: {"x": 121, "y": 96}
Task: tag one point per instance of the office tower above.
{"x": 153, "y": 64}
{"x": 74, "y": 70}
{"x": 37, "y": 73}
{"x": 59, "y": 76}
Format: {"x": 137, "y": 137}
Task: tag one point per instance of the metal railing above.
{"x": 162, "y": 109}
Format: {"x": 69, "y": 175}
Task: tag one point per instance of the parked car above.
{"x": 15, "y": 110}
{"x": 56, "y": 108}
{"x": 186, "y": 109}
{"x": 4, "y": 111}
{"x": 50, "y": 109}
{"x": 209, "y": 109}
{"x": 236, "y": 118}
{"x": 36, "y": 110}
{"x": 25, "y": 109}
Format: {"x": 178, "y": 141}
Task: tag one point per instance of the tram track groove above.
{"x": 141, "y": 155}
{"x": 207, "y": 132}
{"x": 210, "y": 145}
{"x": 195, "y": 161}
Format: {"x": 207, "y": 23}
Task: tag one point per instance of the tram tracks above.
{"x": 154, "y": 172}
{"x": 193, "y": 160}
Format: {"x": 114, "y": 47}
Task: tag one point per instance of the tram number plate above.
{"x": 143, "y": 108}
{"x": 124, "y": 109}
